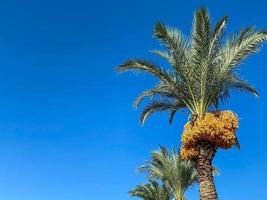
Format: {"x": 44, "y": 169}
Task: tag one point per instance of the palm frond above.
{"x": 243, "y": 86}
{"x": 155, "y": 106}
{"x": 216, "y": 38}
{"x": 161, "y": 89}
{"x": 165, "y": 55}
{"x": 241, "y": 45}
{"x": 177, "y": 46}
{"x": 141, "y": 65}
{"x": 172, "y": 38}
{"x": 177, "y": 106}
{"x": 151, "y": 191}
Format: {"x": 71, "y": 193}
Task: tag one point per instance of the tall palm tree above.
{"x": 172, "y": 170}
{"x": 202, "y": 73}
{"x": 152, "y": 191}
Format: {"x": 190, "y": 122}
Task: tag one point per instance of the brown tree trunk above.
{"x": 206, "y": 153}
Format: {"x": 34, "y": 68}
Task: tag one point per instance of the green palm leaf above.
{"x": 151, "y": 191}
{"x": 202, "y": 67}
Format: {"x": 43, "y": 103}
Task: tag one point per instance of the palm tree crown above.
{"x": 203, "y": 66}
{"x": 151, "y": 191}
{"x": 172, "y": 170}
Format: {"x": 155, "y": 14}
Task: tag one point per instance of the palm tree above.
{"x": 172, "y": 170}
{"x": 202, "y": 73}
{"x": 151, "y": 191}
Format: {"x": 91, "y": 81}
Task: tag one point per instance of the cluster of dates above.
{"x": 218, "y": 128}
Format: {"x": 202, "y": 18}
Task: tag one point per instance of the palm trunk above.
{"x": 204, "y": 159}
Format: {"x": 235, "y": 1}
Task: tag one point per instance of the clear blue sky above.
{"x": 67, "y": 127}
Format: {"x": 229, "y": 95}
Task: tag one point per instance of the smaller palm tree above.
{"x": 172, "y": 170}
{"x": 152, "y": 191}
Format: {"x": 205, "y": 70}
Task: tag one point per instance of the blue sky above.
{"x": 67, "y": 127}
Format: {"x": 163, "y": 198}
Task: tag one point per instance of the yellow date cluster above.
{"x": 216, "y": 127}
